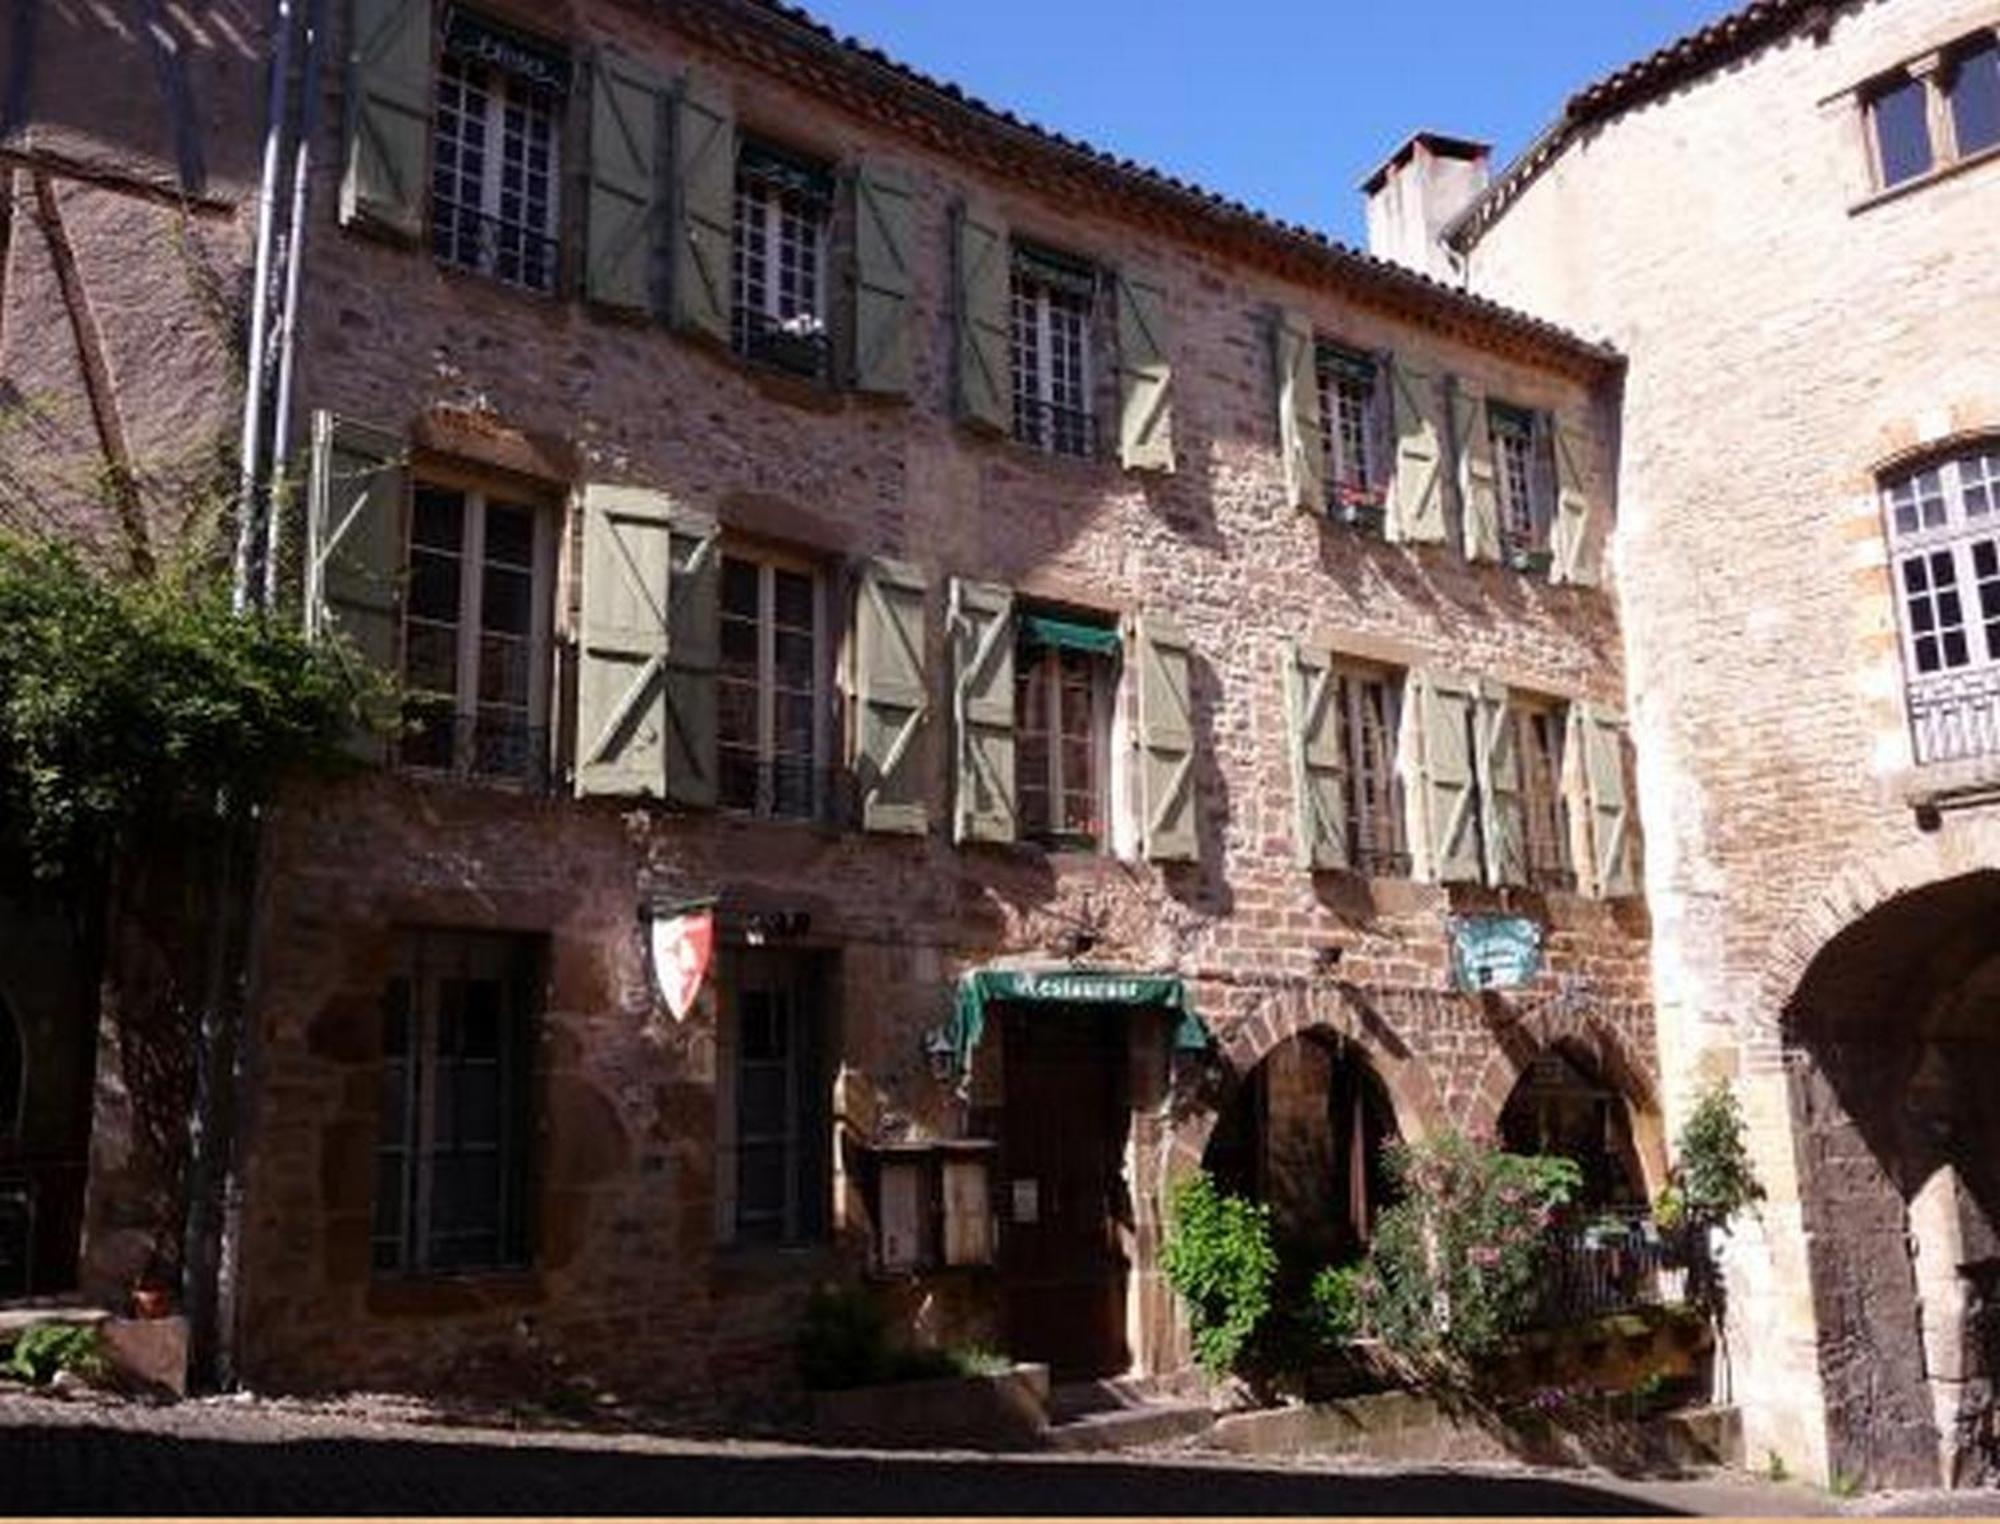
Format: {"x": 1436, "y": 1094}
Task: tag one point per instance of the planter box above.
{"x": 1008, "y": 1411}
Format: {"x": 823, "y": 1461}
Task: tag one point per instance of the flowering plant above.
{"x": 1456, "y": 1262}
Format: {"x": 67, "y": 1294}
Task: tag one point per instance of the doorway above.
{"x": 1064, "y": 1199}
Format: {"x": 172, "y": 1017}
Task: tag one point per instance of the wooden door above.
{"x": 1063, "y": 1193}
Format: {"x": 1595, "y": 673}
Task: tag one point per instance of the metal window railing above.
{"x": 1055, "y": 428}
{"x": 480, "y": 748}
{"x": 1954, "y": 715}
{"x": 470, "y": 239}
{"x": 1606, "y": 1267}
{"x": 784, "y": 789}
{"x": 799, "y": 345}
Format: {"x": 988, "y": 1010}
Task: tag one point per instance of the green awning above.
{"x": 1067, "y": 635}
{"x": 1069, "y": 986}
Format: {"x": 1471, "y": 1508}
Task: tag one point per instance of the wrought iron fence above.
{"x": 798, "y": 345}
{"x": 1050, "y": 426}
{"x": 511, "y": 251}
{"x": 1606, "y": 1267}
{"x": 786, "y": 789}
{"x": 1955, "y": 715}
{"x": 480, "y": 747}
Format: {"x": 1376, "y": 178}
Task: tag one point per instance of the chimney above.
{"x": 1416, "y": 191}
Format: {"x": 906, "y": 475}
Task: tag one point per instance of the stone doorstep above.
{"x": 151, "y": 1351}
{"x": 1127, "y": 1428}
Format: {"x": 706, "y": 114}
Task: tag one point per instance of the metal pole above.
{"x": 260, "y": 304}
{"x": 288, "y": 325}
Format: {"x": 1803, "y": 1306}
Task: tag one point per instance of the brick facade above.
{"x": 630, "y": 1282}
{"x": 1791, "y": 333}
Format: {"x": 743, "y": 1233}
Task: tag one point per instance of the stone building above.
{"x": 1088, "y": 651}
{"x": 1785, "y": 222}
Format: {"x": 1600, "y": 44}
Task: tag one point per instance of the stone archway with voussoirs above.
{"x": 1600, "y": 1039}
{"x": 1288, "y": 1011}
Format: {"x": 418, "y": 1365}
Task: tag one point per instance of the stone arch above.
{"x": 1287, "y": 1013}
{"x": 1606, "y": 1046}
{"x": 1865, "y": 884}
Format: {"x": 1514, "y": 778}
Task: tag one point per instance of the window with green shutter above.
{"x": 778, "y": 259}
{"x": 1066, "y": 669}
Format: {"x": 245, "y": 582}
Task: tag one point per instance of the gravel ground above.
{"x": 385, "y": 1455}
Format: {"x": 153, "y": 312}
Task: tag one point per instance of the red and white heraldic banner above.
{"x": 683, "y": 948}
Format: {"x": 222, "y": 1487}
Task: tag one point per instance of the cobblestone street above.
{"x": 261, "y": 1457}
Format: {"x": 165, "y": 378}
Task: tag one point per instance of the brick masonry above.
{"x": 629, "y": 1285}
{"x": 1788, "y": 334}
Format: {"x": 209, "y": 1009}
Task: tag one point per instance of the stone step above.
{"x": 1703, "y": 1436}
{"x": 1131, "y": 1428}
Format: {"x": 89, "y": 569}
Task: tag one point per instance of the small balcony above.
{"x": 1955, "y": 715}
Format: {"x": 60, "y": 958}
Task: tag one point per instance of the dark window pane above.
{"x": 1902, "y": 132}
{"x": 507, "y": 600}
{"x": 793, "y": 594}
{"x": 434, "y": 587}
{"x": 510, "y": 534}
{"x": 761, "y": 1102}
{"x": 439, "y": 521}
{"x": 739, "y": 587}
{"x": 1954, "y": 648}
{"x": 1975, "y": 99}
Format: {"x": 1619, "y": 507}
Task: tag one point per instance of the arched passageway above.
{"x": 1893, "y": 1058}
{"x": 1306, "y": 1131}
{"x": 13, "y": 1072}
{"x": 1563, "y": 1104}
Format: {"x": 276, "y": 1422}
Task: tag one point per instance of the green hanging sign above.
{"x": 1068, "y": 986}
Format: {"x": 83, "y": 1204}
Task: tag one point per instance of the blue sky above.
{"x": 1285, "y": 104}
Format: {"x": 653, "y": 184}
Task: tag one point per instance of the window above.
{"x": 1901, "y": 116}
{"x": 1538, "y": 744}
{"x": 1524, "y": 480}
{"x": 494, "y": 175}
{"x": 771, "y": 690}
{"x": 1351, "y": 430}
{"x": 778, "y": 268}
{"x": 1370, "y": 705}
{"x": 1936, "y": 112}
{"x": 1053, "y": 298}
{"x": 1974, "y": 91}
{"x": 775, "y": 1114}
{"x": 1944, "y": 534}
{"x": 476, "y": 647}
{"x": 451, "y": 1147}
{"x": 1065, "y": 673}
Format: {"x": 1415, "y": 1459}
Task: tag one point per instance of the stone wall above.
{"x": 1787, "y": 335}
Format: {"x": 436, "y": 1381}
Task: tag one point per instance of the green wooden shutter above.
{"x": 884, "y": 278}
{"x": 1440, "y": 776}
{"x": 647, "y": 648}
{"x": 1319, "y": 757}
{"x": 621, "y": 720}
{"x": 1503, "y": 811}
{"x": 1416, "y": 496}
{"x": 1292, "y": 355}
{"x": 386, "y": 148}
{"x": 984, "y": 806}
{"x": 1145, "y": 376}
{"x": 623, "y": 212}
{"x": 1576, "y": 537}
{"x": 1166, "y": 742}
{"x": 355, "y": 536}
{"x": 1597, "y": 740}
{"x": 892, "y": 696}
{"x": 704, "y": 208}
{"x": 1478, "y": 488}
{"x": 981, "y": 292}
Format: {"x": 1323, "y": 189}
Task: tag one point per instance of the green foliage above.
{"x": 1775, "y": 1469}
{"x": 43, "y": 1349}
{"x": 844, "y": 1342}
{"x": 1455, "y": 1263}
{"x": 1220, "y": 1260}
{"x": 1713, "y": 1177}
{"x": 140, "y": 700}
{"x": 1336, "y": 1305}
{"x": 1846, "y": 1484}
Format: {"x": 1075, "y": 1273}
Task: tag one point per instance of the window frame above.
{"x": 479, "y": 493}
{"x": 1038, "y": 417}
{"x": 808, "y": 354}
{"x": 1383, "y": 852}
{"x": 1547, "y": 846}
{"x": 504, "y": 87}
{"x": 1934, "y": 75}
{"x": 809, "y": 978}
{"x": 1508, "y": 423}
{"x": 769, "y": 563}
{"x": 1106, "y": 676}
{"x": 1354, "y": 497}
{"x": 416, "y": 1148}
